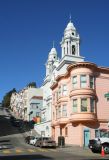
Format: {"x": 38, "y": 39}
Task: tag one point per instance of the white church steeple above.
{"x": 52, "y": 59}
{"x": 70, "y": 41}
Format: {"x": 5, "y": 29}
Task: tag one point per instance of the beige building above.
{"x": 26, "y": 102}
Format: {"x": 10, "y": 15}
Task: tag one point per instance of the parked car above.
{"x": 12, "y": 118}
{"x": 95, "y": 145}
{"x": 16, "y": 123}
{"x": 45, "y": 142}
{"x": 102, "y": 141}
{"x": 28, "y": 138}
{"x": 33, "y": 140}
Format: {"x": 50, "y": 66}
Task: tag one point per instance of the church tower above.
{"x": 70, "y": 42}
{"x": 51, "y": 62}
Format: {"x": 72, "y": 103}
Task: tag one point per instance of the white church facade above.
{"x": 70, "y": 53}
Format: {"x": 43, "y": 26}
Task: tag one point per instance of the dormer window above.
{"x": 73, "y": 33}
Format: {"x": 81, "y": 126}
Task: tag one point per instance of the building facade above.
{"x": 27, "y": 103}
{"x": 80, "y": 107}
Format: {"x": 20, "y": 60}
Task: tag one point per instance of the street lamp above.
{"x": 30, "y": 114}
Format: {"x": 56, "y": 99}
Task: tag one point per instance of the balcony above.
{"x": 62, "y": 99}
{"x": 60, "y": 121}
{"x": 82, "y": 91}
{"x": 83, "y": 116}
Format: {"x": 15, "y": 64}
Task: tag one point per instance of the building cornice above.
{"x": 71, "y": 67}
{"x": 67, "y": 59}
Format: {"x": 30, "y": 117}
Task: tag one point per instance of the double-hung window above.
{"x": 74, "y": 105}
{"x": 74, "y": 81}
{"x": 37, "y": 114}
{"x": 56, "y": 112}
{"x": 64, "y": 90}
{"x": 59, "y": 111}
{"x": 83, "y": 81}
{"x": 64, "y": 110}
{"x": 59, "y": 92}
{"x": 84, "y": 105}
{"x": 92, "y": 82}
{"x": 92, "y": 104}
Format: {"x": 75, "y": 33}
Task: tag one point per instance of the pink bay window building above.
{"x": 79, "y": 106}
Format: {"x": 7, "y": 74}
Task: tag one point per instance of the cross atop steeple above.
{"x": 70, "y": 17}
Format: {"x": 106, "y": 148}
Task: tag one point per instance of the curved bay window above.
{"x": 64, "y": 110}
{"x": 83, "y": 81}
{"x": 84, "y": 105}
{"x": 92, "y": 82}
{"x": 92, "y": 104}
{"x": 75, "y": 105}
{"x": 74, "y": 81}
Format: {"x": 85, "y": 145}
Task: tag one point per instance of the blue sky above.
{"x": 28, "y": 28}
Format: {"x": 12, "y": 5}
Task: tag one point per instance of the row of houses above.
{"x": 73, "y": 100}
{"x": 27, "y": 103}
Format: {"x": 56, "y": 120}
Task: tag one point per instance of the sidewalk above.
{"x": 83, "y": 152}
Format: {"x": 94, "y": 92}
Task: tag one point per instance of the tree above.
{"x": 7, "y": 97}
{"x": 32, "y": 85}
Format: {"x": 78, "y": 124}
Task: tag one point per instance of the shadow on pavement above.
{"x": 1, "y": 141}
{"x": 26, "y": 157}
{"x": 9, "y": 128}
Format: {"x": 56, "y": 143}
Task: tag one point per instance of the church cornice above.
{"x": 66, "y": 61}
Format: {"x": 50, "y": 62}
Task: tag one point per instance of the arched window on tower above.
{"x": 67, "y": 47}
{"x": 73, "y": 49}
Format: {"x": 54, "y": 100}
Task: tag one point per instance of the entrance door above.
{"x": 86, "y": 137}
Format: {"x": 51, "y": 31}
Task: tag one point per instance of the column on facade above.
{"x": 62, "y": 51}
{"x": 79, "y": 105}
{"x": 78, "y": 49}
{"x": 69, "y": 48}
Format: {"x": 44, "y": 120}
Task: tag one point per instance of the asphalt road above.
{"x": 13, "y": 146}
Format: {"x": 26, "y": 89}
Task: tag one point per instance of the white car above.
{"x": 33, "y": 140}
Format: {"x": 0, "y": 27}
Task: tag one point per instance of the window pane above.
{"x": 59, "y": 111}
{"x": 75, "y": 105}
{"x": 83, "y": 105}
{"x": 74, "y": 81}
{"x": 83, "y": 85}
{"x": 64, "y": 111}
{"x": 92, "y": 104}
{"x": 91, "y": 82}
{"x": 64, "y": 90}
{"x": 97, "y": 133}
{"x": 83, "y": 81}
{"x": 83, "y": 78}
{"x": 59, "y": 92}
{"x": 37, "y": 114}
{"x": 103, "y": 133}
{"x": 56, "y": 113}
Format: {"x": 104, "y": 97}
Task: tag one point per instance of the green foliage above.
{"x": 7, "y": 97}
{"x": 32, "y": 84}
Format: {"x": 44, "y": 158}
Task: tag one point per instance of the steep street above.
{"x": 13, "y": 146}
